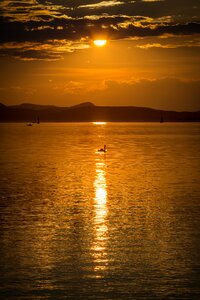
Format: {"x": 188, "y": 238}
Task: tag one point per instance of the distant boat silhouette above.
{"x": 161, "y": 119}
{"x": 102, "y": 149}
{"x": 29, "y": 124}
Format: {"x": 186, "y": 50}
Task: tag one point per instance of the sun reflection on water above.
{"x": 99, "y": 123}
{"x": 99, "y": 247}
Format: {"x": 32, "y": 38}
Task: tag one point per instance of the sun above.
{"x": 100, "y": 43}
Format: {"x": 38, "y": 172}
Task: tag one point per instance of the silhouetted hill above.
{"x": 84, "y": 104}
{"x": 88, "y": 112}
{"x": 32, "y": 106}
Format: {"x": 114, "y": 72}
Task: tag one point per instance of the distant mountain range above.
{"x": 88, "y": 112}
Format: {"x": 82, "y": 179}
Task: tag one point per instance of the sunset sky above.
{"x": 151, "y": 58}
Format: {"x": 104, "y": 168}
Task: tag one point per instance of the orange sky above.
{"x": 151, "y": 59}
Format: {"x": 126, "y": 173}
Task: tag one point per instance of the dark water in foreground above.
{"x": 77, "y": 224}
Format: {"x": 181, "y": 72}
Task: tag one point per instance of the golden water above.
{"x": 80, "y": 224}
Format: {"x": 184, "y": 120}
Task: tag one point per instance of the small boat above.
{"x": 102, "y": 149}
{"x": 29, "y": 124}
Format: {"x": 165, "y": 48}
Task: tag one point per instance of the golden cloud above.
{"x": 101, "y": 4}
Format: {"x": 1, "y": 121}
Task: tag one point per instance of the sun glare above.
{"x": 100, "y": 43}
{"x": 99, "y": 123}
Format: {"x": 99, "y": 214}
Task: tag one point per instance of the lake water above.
{"x": 79, "y": 224}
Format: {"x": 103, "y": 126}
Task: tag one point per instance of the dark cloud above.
{"x": 184, "y": 8}
{"x": 72, "y": 29}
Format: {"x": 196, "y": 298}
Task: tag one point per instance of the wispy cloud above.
{"x": 168, "y": 46}
{"x": 50, "y": 51}
{"x": 101, "y": 4}
{"x": 30, "y": 10}
{"x": 153, "y": 0}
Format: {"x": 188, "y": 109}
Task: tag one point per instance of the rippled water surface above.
{"x": 79, "y": 224}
